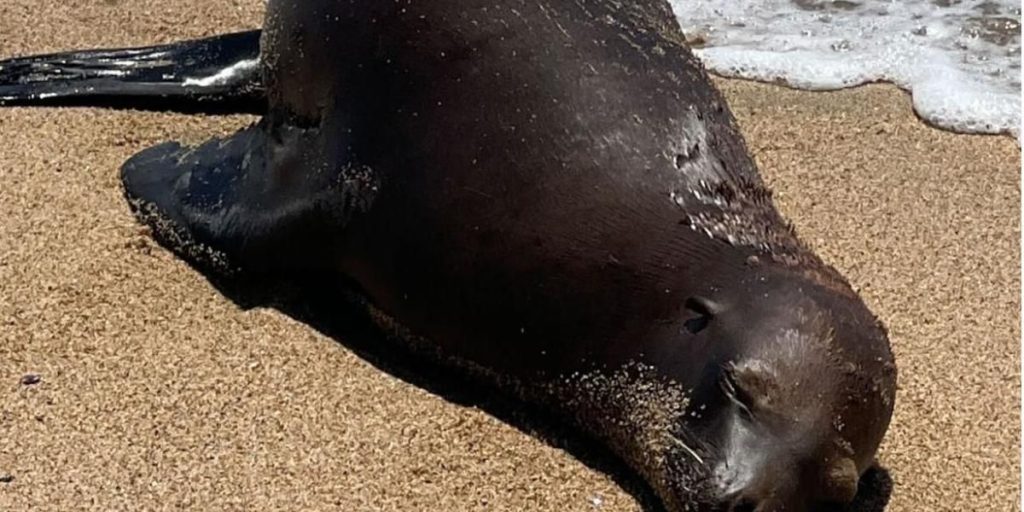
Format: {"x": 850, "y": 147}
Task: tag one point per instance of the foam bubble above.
{"x": 960, "y": 59}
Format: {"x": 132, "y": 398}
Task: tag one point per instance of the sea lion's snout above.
{"x": 761, "y": 473}
{"x": 771, "y": 460}
{"x": 773, "y": 490}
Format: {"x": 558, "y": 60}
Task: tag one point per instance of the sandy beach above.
{"x": 159, "y": 392}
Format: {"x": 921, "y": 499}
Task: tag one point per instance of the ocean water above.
{"x": 959, "y": 59}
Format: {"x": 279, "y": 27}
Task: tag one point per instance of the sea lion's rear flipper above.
{"x": 265, "y": 199}
{"x": 214, "y": 75}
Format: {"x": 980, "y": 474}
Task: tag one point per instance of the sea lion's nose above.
{"x": 750, "y": 502}
{"x": 774, "y": 491}
{"x": 761, "y": 502}
{"x": 744, "y": 504}
{"x": 757, "y": 496}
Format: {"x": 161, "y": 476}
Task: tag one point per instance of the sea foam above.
{"x": 960, "y": 59}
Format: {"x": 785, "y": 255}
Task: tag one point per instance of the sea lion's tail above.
{"x": 215, "y": 75}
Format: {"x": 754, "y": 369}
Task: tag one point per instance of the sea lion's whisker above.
{"x": 684, "y": 446}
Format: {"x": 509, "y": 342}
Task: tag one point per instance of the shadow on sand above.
{"x": 325, "y": 308}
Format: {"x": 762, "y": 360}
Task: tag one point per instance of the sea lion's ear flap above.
{"x": 703, "y": 305}
{"x": 704, "y": 308}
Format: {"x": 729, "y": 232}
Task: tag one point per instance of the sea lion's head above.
{"x": 791, "y": 410}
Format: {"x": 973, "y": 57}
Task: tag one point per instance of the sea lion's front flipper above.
{"x": 213, "y": 75}
{"x": 267, "y": 198}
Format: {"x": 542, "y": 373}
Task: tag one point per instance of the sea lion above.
{"x": 552, "y": 196}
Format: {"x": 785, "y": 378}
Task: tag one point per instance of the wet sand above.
{"x": 158, "y": 392}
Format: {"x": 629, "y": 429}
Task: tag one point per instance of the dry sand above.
{"x": 157, "y": 392}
